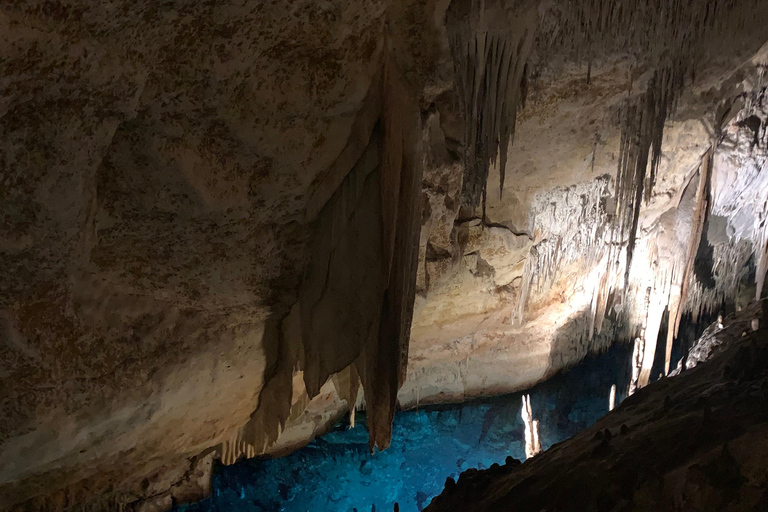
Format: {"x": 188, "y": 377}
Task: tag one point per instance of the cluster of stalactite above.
{"x": 725, "y": 226}
{"x": 683, "y": 269}
{"x": 670, "y": 37}
{"x": 660, "y": 282}
{"x": 730, "y": 269}
{"x": 642, "y": 130}
{"x": 648, "y": 29}
{"x": 723, "y": 208}
{"x": 352, "y": 321}
{"x": 749, "y": 145}
{"x": 667, "y": 40}
{"x": 663, "y": 281}
{"x": 572, "y": 223}
{"x": 490, "y": 42}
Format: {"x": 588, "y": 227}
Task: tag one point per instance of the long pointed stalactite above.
{"x": 672, "y": 260}
{"x": 642, "y": 130}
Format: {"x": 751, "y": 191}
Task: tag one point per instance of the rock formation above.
{"x": 532, "y": 444}
{"x": 224, "y": 225}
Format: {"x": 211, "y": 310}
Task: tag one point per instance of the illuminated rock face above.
{"x": 543, "y": 282}
{"x": 209, "y": 215}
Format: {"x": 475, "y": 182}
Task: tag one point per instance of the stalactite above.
{"x": 642, "y": 124}
{"x": 670, "y": 37}
{"x": 490, "y": 42}
{"x": 525, "y": 287}
{"x": 762, "y": 261}
{"x": 340, "y": 296}
{"x": 698, "y": 218}
{"x": 282, "y": 346}
{"x": 574, "y": 224}
{"x": 669, "y": 252}
{"x": 383, "y": 361}
{"x": 741, "y": 193}
{"x": 640, "y": 363}
{"x": 347, "y": 384}
{"x": 740, "y": 202}
{"x": 730, "y": 269}
{"x": 755, "y": 104}
{"x": 353, "y": 317}
{"x": 658, "y": 296}
{"x": 589, "y": 29}
{"x": 540, "y": 267}
{"x": 600, "y": 295}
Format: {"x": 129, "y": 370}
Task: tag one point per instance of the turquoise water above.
{"x": 336, "y": 472}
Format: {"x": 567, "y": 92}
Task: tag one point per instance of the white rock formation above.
{"x": 531, "y": 426}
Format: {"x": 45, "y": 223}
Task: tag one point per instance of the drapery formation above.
{"x": 353, "y": 317}
{"x": 382, "y": 363}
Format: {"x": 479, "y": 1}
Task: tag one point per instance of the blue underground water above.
{"x": 337, "y": 473}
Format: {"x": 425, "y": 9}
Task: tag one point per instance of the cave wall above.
{"x": 192, "y": 196}
{"x": 473, "y": 335}
{"x": 163, "y": 171}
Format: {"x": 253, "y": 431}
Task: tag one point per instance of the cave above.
{"x": 376, "y": 255}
